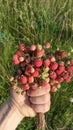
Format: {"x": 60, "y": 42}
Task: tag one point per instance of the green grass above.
{"x": 31, "y": 22}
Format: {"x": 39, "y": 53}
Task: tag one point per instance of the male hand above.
{"x": 32, "y": 102}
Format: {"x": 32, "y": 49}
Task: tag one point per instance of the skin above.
{"x": 19, "y": 106}
{"x": 33, "y": 101}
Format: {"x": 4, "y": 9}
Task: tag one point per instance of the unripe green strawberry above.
{"x": 39, "y": 47}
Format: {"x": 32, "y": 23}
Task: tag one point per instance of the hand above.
{"x": 32, "y": 102}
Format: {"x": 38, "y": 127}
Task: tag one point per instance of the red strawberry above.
{"x": 40, "y": 53}
{"x": 61, "y": 63}
{"x": 46, "y": 62}
{"x": 45, "y": 84}
{"x": 37, "y": 69}
{"x": 21, "y": 47}
{"x": 35, "y": 73}
{"x": 33, "y": 47}
{"x": 28, "y": 50}
{"x": 61, "y": 67}
{"x": 58, "y": 72}
{"x": 54, "y": 66}
{"x": 71, "y": 74}
{"x": 29, "y": 68}
{"x": 23, "y": 79}
{"x": 30, "y": 79}
{"x": 16, "y": 59}
{"x": 63, "y": 54}
{"x": 19, "y": 53}
{"x": 65, "y": 75}
{"x": 27, "y": 73}
{"x": 53, "y": 75}
{"x": 69, "y": 68}
{"x": 38, "y": 62}
{"x": 57, "y": 52}
{"x": 25, "y": 87}
{"x": 53, "y": 89}
{"x": 47, "y": 45}
{"x": 34, "y": 86}
{"x": 68, "y": 79}
{"x": 59, "y": 79}
{"x": 71, "y": 62}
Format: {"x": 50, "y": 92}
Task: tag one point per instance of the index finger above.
{"x": 38, "y": 91}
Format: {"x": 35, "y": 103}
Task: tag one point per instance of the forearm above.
{"x": 10, "y": 116}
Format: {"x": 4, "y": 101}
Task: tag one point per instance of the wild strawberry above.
{"x": 19, "y": 53}
{"x": 61, "y": 63}
{"x": 46, "y": 69}
{"x": 57, "y": 52}
{"x": 71, "y": 74}
{"x": 59, "y": 79}
{"x": 34, "y": 86}
{"x": 58, "y": 85}
{"x": 38, "y": 62}
{"x": 58, "y": 72}
{"x": 68, "y": 79}
{"x": 46, "y": 62}
{"x": 16, "y": 59}
{"x": 30, "y": 79}
{"x": 52, "y": 58}
{"x": 35, "y": 73}
{"x": 62, "y": 68}
{"x": 69, "y": 68}
{"x": 53, "y": 75}
{"x": 54, "y": 66}
{"x": 33, "y": 47}
{"x": 47, "y": 79}
{"x": 45, "y": 84}
{"x": 21, "y": 47}
{"x": 53, "y": 89}
{"x": 40, "y": 53}
{"x": 25, "y": 87}
{"x": 23, "y": 79}
{"x": 29, "y": 68}
{"x": 53, "y": 82}
{"x": 39, "y": 47}
{"x": 27, "y": 73}
{"x": 47, "y": 45}
{"x": 65, "y": 75}
{"x": 28, "y": 49}
{"x": 21, "y": 58}
{"x": 37, "y": 69}
{"x": 63, "y": 54}
{"x": 11, "y": 78}
{"x": 71, "y": 62}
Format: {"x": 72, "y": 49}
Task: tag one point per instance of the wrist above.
{"x": 16, "y": 108}
{"x": 10, "y": 116}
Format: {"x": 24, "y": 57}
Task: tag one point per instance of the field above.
{"x": 32, "y": 22}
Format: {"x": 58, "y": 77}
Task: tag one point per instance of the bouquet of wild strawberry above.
{"x": 38, "y": 67}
